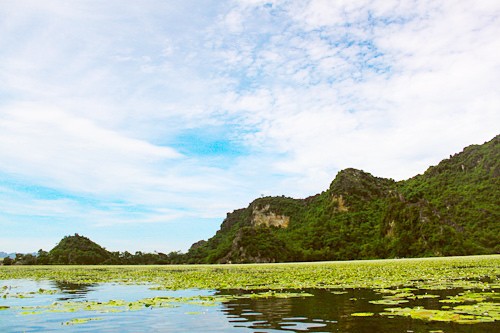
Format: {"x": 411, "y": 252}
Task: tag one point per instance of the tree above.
{"x": 43, "y": 257}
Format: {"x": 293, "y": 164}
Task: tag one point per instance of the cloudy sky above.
{"x": 140, "y": 124}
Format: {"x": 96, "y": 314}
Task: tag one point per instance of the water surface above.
{"x": 28, "y": 306}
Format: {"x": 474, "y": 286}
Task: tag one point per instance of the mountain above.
{"x": 80, "y": 250}
{"x": 76, "y": 250}
{"x": 5, "y": 255}
{"x": 451, "y": 209}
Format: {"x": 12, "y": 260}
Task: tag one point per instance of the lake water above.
{"x": 47, "y": 306}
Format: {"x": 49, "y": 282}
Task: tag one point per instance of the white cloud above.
{"x": 73, "y": 152}
{"x": 437, "y": 85}
{"x": 94, "y": 96}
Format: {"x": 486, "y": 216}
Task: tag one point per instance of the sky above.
{"x": 141, "y": 124}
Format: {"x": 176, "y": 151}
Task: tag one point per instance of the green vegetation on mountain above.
{"x": 79, "y": 250}
{"x": 76, "y": 250}
{"x": 452, "y": 209}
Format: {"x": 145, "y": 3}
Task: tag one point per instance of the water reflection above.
{"x": 73, "y": 290}
{"x": 320, "y": 313}
{"x": 329, "y": 311}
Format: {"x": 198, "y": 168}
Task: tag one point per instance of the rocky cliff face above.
{"x": 265, "y": 217}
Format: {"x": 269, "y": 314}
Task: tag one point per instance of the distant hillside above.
{"x": 80, "y": 250}
{"x": 77, "y": 250}
{"x": 452, "y": 209}
{"x": 5, "y": 255}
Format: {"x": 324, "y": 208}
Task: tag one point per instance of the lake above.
{"x": 50, "y": 306}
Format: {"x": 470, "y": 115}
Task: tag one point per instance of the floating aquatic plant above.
{"x": 77, "y": 321}
{"x": 475, "y": 272}
{"x": 389, "y": 301}
{"x": 154, "y": 302}
{"x": 362, "y": 314}
{"x": 439, "y": 315}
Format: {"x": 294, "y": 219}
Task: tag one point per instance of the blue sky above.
{"x": 140, "y": 124}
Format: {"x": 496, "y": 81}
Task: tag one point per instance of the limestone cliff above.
{"x": 451, "y": 209}
{"x": 265, "y": 217}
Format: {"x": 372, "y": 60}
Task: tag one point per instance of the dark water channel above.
{"x": 325, "y": 311}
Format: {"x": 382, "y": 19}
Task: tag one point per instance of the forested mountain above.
{"x": 76, "y": 250}
{"x": 452, "y": 209}
{"x": 80, "y": 250}
{"x": 71, "y": 250}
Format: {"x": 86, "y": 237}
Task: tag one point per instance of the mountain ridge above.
{"x": 450, "y": 209}
{"x": 5, "y": 255}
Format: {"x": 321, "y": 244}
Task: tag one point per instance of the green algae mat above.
{"x": 427, "y": 273}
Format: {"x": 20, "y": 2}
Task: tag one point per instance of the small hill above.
{"x": 78, "y": 250}
{"x": 452, "y": 209}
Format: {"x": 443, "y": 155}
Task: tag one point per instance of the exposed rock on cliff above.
{"x": 265, "y": 217}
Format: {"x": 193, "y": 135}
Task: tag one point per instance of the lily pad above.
{"x": 362, "y": 314}
{"x": 389, "y": 301}
{"x": 78, "y": 321}
{"x": 437, "y": 315}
